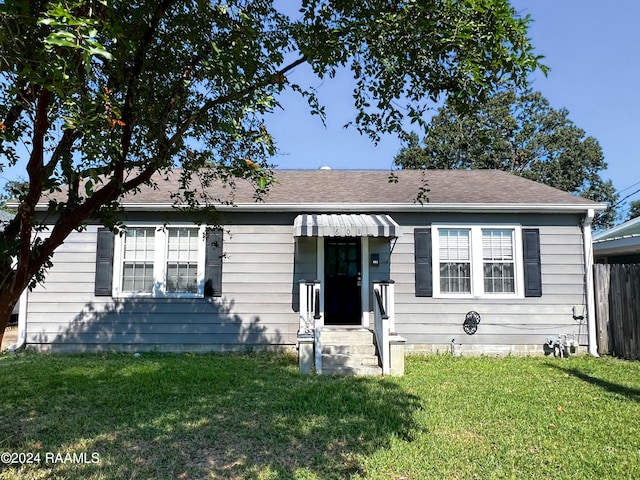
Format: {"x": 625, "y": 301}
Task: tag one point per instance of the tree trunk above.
{"x": 9, "y": 298}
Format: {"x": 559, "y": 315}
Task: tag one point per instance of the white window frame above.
{"x": 477, "y": 261}
{"x": 159, "y": 263}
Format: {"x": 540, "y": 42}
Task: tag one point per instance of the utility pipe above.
{"x": 589, "y": 290}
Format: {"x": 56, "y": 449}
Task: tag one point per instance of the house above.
{"x": 620, "y": 244}
{"x": 490, "y": 263}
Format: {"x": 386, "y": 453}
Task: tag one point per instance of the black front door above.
{"x": 342, "y": 281}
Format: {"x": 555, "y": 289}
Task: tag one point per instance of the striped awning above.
{"x": 345, "y": 225}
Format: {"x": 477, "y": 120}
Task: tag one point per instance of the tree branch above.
{"x": 24, "y": 96}
{"x": 35, "y": 171}
{"x": 136, "y": 70}
{"x": 64, "y": 146}
{"x": 272, "y": 79}
{"x": 179, "y": 88}
{"x": 73, "y": 217}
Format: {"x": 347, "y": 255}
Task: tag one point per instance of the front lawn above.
{"x": 254, "y": 417}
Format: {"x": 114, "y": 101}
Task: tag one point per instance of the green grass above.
{"x": 254, "y": 416}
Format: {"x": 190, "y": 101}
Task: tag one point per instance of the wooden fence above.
{"x": 617, "y": 291}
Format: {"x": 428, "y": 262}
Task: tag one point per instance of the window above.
{"x": 477, "y": 261}
{"x": 138, "y": 260}
{"x": 455, "y": 260}
{"x": 182, "y": 260}
{"x": 498, "y": 261}
{"x": 168, "y": 261}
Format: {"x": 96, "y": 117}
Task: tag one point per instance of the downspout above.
{"x": 589, "y": 290}
{"x": 22, "y": 323}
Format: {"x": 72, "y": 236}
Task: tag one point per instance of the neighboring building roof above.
{"x": 623, "y": 239}
{"x": 628, "y": 228}
{"x": 5, "y": 217}
{"x": 324, "y": 190}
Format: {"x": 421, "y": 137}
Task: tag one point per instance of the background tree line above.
{"x": 517, "y": 131}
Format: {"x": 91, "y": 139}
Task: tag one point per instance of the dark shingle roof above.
{"x": 334, "y": 190}
{"x": 374, "y": 187}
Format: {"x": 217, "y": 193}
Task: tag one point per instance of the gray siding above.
{"x": 256, "y": 307}
{"x": 526, "y": 321}
{"x": 262, "y": 268}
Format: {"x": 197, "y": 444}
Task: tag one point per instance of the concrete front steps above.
{"x": 349, "y": 351}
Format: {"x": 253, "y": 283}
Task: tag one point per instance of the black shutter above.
{"x": 213, "y": 265}
{"x": 104, "y": 263}
{"x": 532, "y": 270}
{"x": 424, "y": 274}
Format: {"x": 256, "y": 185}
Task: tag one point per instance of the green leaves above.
{"x": 108, "y": 94}
{"x": 519, "y": 133}
{"x": 634, "y": 210}
{"x": 69, "y": 29}
{"x": 62, "y": 39}
{"x": 203, "y": 74}
{"x": 406, "y": 56}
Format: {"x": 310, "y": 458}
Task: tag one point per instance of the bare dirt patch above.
{"x": 10, "y": 337}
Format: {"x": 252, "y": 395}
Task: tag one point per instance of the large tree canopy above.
{"x": 521, "y": 134}
{"x": 105, "y": 94}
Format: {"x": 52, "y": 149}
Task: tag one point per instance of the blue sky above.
{"x": 593, "y": 50}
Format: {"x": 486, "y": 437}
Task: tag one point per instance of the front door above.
{"x": 342, "y": 281}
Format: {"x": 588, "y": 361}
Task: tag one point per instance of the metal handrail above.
{"x": 316, "y": 306}
{"x": 383, "y": 313}
{"x": 311, "y": 317}
{"x": 381, "y": 328}
{"x": 309, "y": 308}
